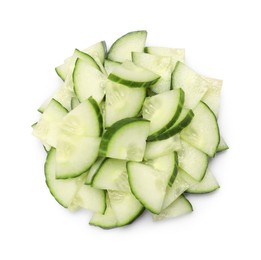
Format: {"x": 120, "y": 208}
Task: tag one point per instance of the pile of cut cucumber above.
{"x": 130, "y": 129}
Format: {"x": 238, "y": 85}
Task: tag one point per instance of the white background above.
{"x": 222, "y": 40}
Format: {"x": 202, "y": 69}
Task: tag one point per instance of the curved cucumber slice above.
{"x": 110, "y": 65}
{"x": 212, "y": 96}
{"x": 112, "y": 175}
{"x": 122, "y": 48}
{"x": 94, "y": 169}
{"x": 207, "y": 184}
{"x": 192, "y": 161}
{"x": 179, "y": 207}
{"x": 161, "y": 66}
{"x": 89, "y": 198}
{"x": 62, "y": 190}
{"x": 85, "y": 120}
{"x": 133, "y": 76}
{"x": 126, "y": 139}
{"x": 75, "y": 155}
{"x": 88, "y": 81}
{"x": 183, "y": 121}
{"x": 122, "y": 102}
{"x": 203, "y": 132}
{"x": 125, "y": 207}
{"x": 163, "y": 110}
{"x": 148, "y": 185}
{"x": 106, "y": 220}
{"x": 163, "y": 147}
{"x": 97, "y": 51}
{"x": 222, "y": 146}
{"x": 192, "y": 83}
{"x": 47, "y": 128}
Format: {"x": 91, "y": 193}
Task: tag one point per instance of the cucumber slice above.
{"x": 166, "y": 163}
{"x": 148, "y": 185}
{"x": 212, "y": 96}
{"x": 163, "y": 110}
{"x": 192, "y": 161}
{"x": 63, "y": 69}
{"x": 159, "y": 148}
{"x": 74, "y": 102}
{"x": 94, "y": 169}
{"x": 98, "y": 51}
{"x": 122, "y": 102}
{"x": 126, "y": 139}
{"x": 179, "y": 186}
{"x": 222, "y": 146}
{"x": 175, "y": 54}
{"x": 63, "y": 95}
{"x": 90, "y": 198}
{"x": 133, "y": 76}
{"x": 183, "y": 121}
{"x": 122, "y": 48}
{"x": 112, "y": 175}
{"x": 110, "y": 65}
{"x": 179, "y": 207}
{"x": 62, "y": 190}
{"x": 202, "y": 132}
{"x": 125, "y": 207}
{"x": 161, "y": 66}
{"x": 75, "y": 155}
{"x": 207, "y": 184}
{"x": 48, "y": 126}
{"x": 85, "y": 120}
{"x": 192, "y": 83}
{"x": 88, "y": 81}
{"x": 106, "y": 220}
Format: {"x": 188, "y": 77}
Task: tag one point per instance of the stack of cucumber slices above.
{"x": 130, "y": 129}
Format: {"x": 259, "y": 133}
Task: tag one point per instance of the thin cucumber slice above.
{"x": 48, "y": 126}
{"x": 98, "y": 51}
{"x": 122, "y": 48}
{"x": 207, "y": 184}
{"x": 112, "y": 175}
{"x": 46, "y": 147}
{"x": 179, "y": 207}
{"x": 88, "y": 81}
{"x": 161, "y": 66}
{"x": 163, "y": 110}
{"x": 126, "y": 139}
{"x": 159, "y": 148}
{"x": 94, "y": 169}
{"x": 74, "y": 102}
{"x": 90, "y": 198}
{"x": 63, "y": 95}
{"x": 85, "y": 120}
{"x": 63, "y": 69}
{"x": 62, "y": 190}
{"x": 179, "y": 186}
{"x": 75, "y": 155}
{"x": 213, "y": 94}
{"x": 202, "y": 132}
{"x": 110, "y": 65}
{"x": 166, "y": 163}
{"x": 122, "y": 102}
{"x": 192, "y": 161}
{"x": 106, "y": 220}
{"x": 125, "y": 207}
{"x": 183, "y": 121}
{"x": 222, "y": 146}
{"x": 133, "y": 76}
{"x": 192, "y": 83}
{"x": 175, "y": 54}
{"x": 148, "y": 185}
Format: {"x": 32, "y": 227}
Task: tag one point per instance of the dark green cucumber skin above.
{"x": 130, "y": 83}
{"x": 175, "y": 170}
{"x": 175, "y": 129}
{"x": 113, "y": 129}
{"x": 175, "y": 117}
{"x": 98, "y": 112}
